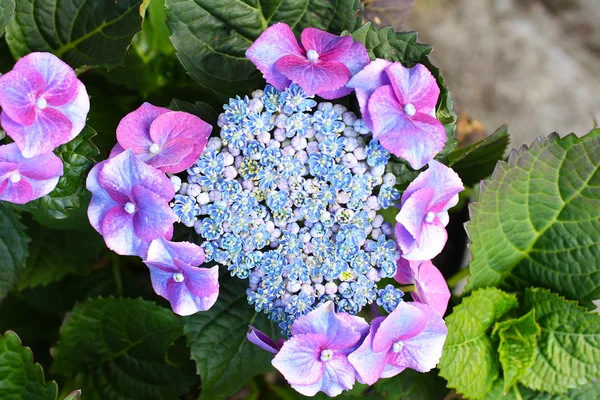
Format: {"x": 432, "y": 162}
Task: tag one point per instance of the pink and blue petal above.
{"x": 133, "y": 131}
{"x": 152, "y": 217}
{"x": 415, "y": 86}
{"x": 405, "y": 322}
{"x": 315, "y": 77}
{"x": 338, "y": 375}
{"x": 431, "y": 287}
{"x": 299, "y": 359}
{"x": 368, "y": 363}
{"x": 262, "y": 340}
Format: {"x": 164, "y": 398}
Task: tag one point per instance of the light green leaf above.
{"x": 518, "y": 392}
{"x": 477, "y": 161}
{"x": 92, "y": 33}
{"x": 116, "y": 348}
{"x": 469, "y": 361}
{"x": 7, "y": 9}
{"x": 518, "y": 340}
{"x": 212, "y": 36}
{"x": 537, "y": 222}
{"x": 568, "y": 351}
{"x": 412, "y": 385}
{"x": 13, "y": 249}
{"x": 20, "y": 378}
{"x": 225, "y": 359}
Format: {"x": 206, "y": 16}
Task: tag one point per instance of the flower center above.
{"x": 41, "y": 103}
{"x": 178, "y": 277}
{"x": 130, "y": 208}
{"x": 429, "y": 217}
{"x": 312, "y": 55}
{"x": 397, "y": 347}
{"x": 15, "y": 177}
{"x": 410, "y": 110}
{"x": 154, "y": 148}
{"x": 326, "y": 355}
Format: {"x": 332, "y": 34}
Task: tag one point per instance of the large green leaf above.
{"x": 518, "y": 392}
{"x": 568, "y": 351}
{"x": 412, "y": 385}
{"x": 7, "y": 9}
{"x": 91, "y": 33}
{"x": 20, "y": 378}
{"x": 212, "y": 36}
{"x": 225, "y": 359}
{"x": 537, "y": 222}
{"x": 477, "y": 161}
{"x": 13, "y": 249}
{"x": 469, "y": 362}
{"x": 115, "y": 349}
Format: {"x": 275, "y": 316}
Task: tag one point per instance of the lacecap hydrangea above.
{"x": 288, "y": 196}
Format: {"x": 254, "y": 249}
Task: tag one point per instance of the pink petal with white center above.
{"x": 445, "y": 182}
{"x": 119, "y": 233}
{"x": 433, "y": 239}
{"x": 368, "y": 363}
{"x": 415, "y": 86}
{"x": 338, "y": 375}
{"x": 413, "y": 212}
{"x": 299, "y": 359}
{"x": 153, "y": 216}
{"x": 133, "y": 131}
{"x": 355, "y": 59}
{"x": 423, "y": 351}
{"x": 19, "y": 90}
{"x": 275, "y": 42}
{"x": 405, "y": 272}
{"x": 405, "y": 322}
{"x": 101, "y": 201}
{"x": 76, "y": 110}
{"x": 365, "y": 82}
{"x": 328, "y": 46}
{"x": 313, "y": 77}
{"x": 18, "y": 192}
{"x": 431, "y": 287}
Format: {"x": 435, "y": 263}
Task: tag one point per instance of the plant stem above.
{"x": 116, "y": 267}
{"x": 459, "y": 276}
{"x": 407, "y": 288}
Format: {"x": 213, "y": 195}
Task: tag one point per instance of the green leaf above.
{"x": 212, "y": 36}
{"x": 225, "y": 359}
{"x": 537, "y": 222}
{"x": 469, "y": 362}
{"x": 199, "y": 109}
{"x": 568, "y": 351}
{"x": 518, "y": 340}
{"x": 20, "y": 378}
{"x": 412, "y": 385}
{"x": 91, "y": 33}
{"x": 477, "y": 161}
{"x": 116, "y": 349}
{"x": 7, "y": 9}
{"x": 13, "y": 249}
{"x": 585, "y": 392}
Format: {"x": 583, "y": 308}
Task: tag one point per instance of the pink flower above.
{"x": 316, "y": 357}
{"x": 322, "y": 65}
{"x": 176, "y": 277}
{"x": 398, "y": 105}
{"x": 129, "y": 205}
{"x": 25, "y": 179}
{"x": 412, "y": 336}
{"x": 168, "y": 140}
{"x": 423, "y": 216}
{"x": 43, "y": 104}
{"x": 430, "y": 286}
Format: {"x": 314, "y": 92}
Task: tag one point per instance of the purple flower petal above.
{"x": 431, "y": 287}
{"x": 355, "y": 59}
{"x": 405, "y": 272}
{"x": 17, "y": 94}
{"x": 133, "y": 131}
{"x": 432, "y": 240}
{"x": 313, "y": 77}
{"x": 414, "y": 86}
{"x": 328, "y": 46}
{"x": 116, "y": 150}
{"x": 391, "y": 370}
{"x": 262, "y": 340}
{"x": 369, "y": 364}
{"x": 404, "y": 323}
{"x": 152, "y": 217}
{"x": 366, "y": 81}
{"x": 445, "y": 182}
{"x": 413, "y": 211}
{"x": 275, "y": 42}
{"x": 338, "y": 375}
{"x": 299, "y": 359}
{"x": 119, "y": 233}
{"x": 101, "y": 201}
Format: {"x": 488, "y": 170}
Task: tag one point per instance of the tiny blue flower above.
{"x": 209, "y": 249}
{"x": 387, "y": 195}
{"x": 211, "y": 162}
{"x": 349, "y": 306}
{"x": 361, "y": 262}
{"x": 389, "y": 298}
{"x": 295, "y": 99}
{"x": 186, "y": 209}
{"x": 268, "y": 178}
{"x": 360, "y": 126}
{"x": 299, "y": 305}
{"x": 273, "y": 263}
{"x": 217, "y": 212}
{"x": 277, "y": 200}
{"x": 259, "y": 123}
{"x": 236, "y": 110}
{"x": 271, "y": 157}
{"x": 365, "y": 290}
{"x": 312, "y": 209}
{"x": 234, "y": 136}
{"x": 333, "y": 146}
{"x": 229, "y": 188}
{"x": 340, "y": 177}
{"x": 271, "y": 99}
{"x": 253, "y": 148}
{"x": 327, "y": 122}
{"x": 259, "y": 237}
{"x": 210, "y": 230}
{"x": 377, "y": 155}
{"x": 297, "y": 125}
{"x": 289, "y": 167}
{"x": 319, "y": 164}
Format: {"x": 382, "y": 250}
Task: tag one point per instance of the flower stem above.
{"x": 116, "y": 267}
{"x": 407, "y": 288}
{"x": 459, "y": 276}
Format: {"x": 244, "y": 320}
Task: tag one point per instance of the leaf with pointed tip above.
{"x": 537, "y": 222}
{"x": 13, "y": 249}
{"x": 7, "y": 9}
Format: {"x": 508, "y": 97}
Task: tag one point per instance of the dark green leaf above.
{"x": 477, "y": 161}
{"x": 568, "y": 350}
{"x": 537, "y": 221}
{"x": 225, "y": 359}
{"x": 412, "y": 385}
{"x": 469, "y": 361}
{"x": 116, "y": 348}
{"x": 93, "y": 33}
{"x": 7, "y": 9}
{"x": 212, "y": 36}
{"x": 20, "y": 378}
{"x": 199, "y": 109}
{"x": 13, "y": 249}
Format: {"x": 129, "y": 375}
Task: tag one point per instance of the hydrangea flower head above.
{"x": 168, "y": 140}
{"x": 398, "y": 105}
{"x": 322, "y": 65}
{"x": 412, "y": 336}
{"x": 176, "y": 276}
{"x": 43, "y": 104}
{"x": 423, "y": 216}
{"x": 25, "y": 179}
{"x": 430, "y": 286}
{"x": 316, "y": 357}
{"x": 129, "y": 205}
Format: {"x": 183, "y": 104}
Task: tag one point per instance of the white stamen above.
{"x": 154, "y": 148}
{"x": 129, "y": 208}
{"x": 429, "y": 217}
{"x": 312, "y": 55}
{"x": 410, "y": 110}
{"x": 397, "y": 347}
{"x": 326, "y": 355}
{"x": 41, "y": 103}
{"x": 15, "y": 177}
{"x": 178, "y": 277}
